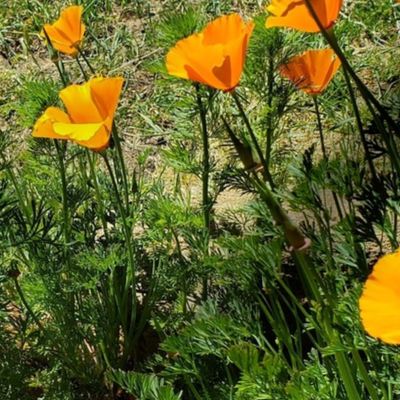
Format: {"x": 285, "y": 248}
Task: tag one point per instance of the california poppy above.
{"x": 67, "y": 32}
{"x": 380, "y": 300}
{"x": 295, "y": 14}
{"x": 311, "y": 71}
{"x": 214, "y": 56}
{"x": 89, "y": 117}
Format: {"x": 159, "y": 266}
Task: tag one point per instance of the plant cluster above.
{"x": 124, "y": 275}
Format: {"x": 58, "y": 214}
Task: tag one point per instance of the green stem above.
{"x": 192, "y": 388}
{"x": 360, "y": 126}
{"x": 205, "y": 160}
{"x": 347, "y": 376}
{"x": 184, "y": 283}
{"x": 325, "y": 155}
{"x": 206, "y": 202}
{"x": 26, "y": 304}
{"x": 320, "y": 131}
{"x": 253, "y": 137}
{"x": 280, "y": 328}
{"x": 60, "y": 155}
{"x": 98, "y": 194}
{"x": 20, "y": 195}
{"x": 121, "y": 210}
{"x": 364, "y": 373}
{"x": 388, "y": 139}
{"x": 312, "y": 282}
{"x": 269, "y": 130}
{"x": 81, "y": 68}
{"x": 121, "y": 159}
{"x": 130, "y": 279}
{"x": 86, "y": 61}
{"x": 61, "y": 72}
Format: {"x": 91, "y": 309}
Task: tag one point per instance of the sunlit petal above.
{"x": 312, "y": 71}
{"x": 214, "y": 57}
{"x": 380, "y": 300}
{"x": 295, "y": 14}
{"x": 67, "y": 32}
{"x": 44, "y": 125}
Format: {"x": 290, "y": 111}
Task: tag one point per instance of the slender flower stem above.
{"x": 312, "y": 281}
{"x": 61, "y": 163}
{"x": 206, "y": 203}
{"x": 192, "y": 388}
{"x": 364, "y": 373}
{"x": 360, "y": 126}
{"x": 61, "y": 71}
{"x": 86, "y": 61}
{"x": 97, "y": 191}
{"x": 388, "y": 138}
{"x": 21, "y": 197}
{"x": 325, "y": 154}
{"x": 115, "y": 135}
{"x": 346, "y": 374}
{"x": 124, "y": 174}
{"x": 85, "y": 76}
{"x": 121, "y": 210}
{"x": 270, "y": 96}
{"x": 253, "y": 137}
{"x": 320, "y": 131}
{"x": 130, "y": 279}
{"x": 205, "y": 160}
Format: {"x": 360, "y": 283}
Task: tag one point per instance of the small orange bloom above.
{"x": 89, "y": 117}
{"x": 311, "y": 71}
{"x": 380, "y": 300}
{"x": 295, "y": 14}
{"x": 214, "y": 56}
{"x": 67, "y": 32}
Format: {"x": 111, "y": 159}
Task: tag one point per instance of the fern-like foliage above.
{"x": 144, "y": 386}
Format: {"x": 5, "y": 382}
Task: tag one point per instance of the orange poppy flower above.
{"x": 311, "y": 71}
{"x": 380, "y": 300}
{"x": 67, "y": 32}
{"x": 295, "y": 14}
{"x": 214, "y": 56}
{"x": 89, "y": 117}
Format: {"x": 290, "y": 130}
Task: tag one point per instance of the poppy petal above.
{"x": 312, "y": 71}
{"x": 105, "y": 94}
{"x": 380, "y": 300}
{"x": 215, "y": 56}
{"x": 295, "y": 14}
{"x": 76, "y": 131}
{"x": 80, "y": 105}
{"x": 67, "y": 32}
{"x": 44, "y": 125}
